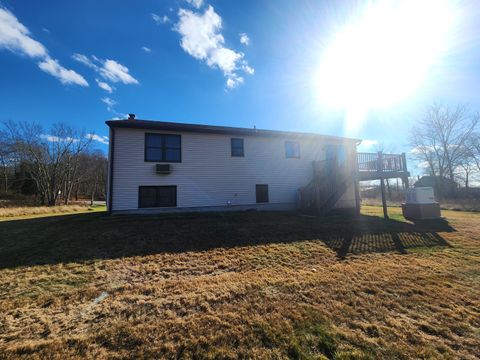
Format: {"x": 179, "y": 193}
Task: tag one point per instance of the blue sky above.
{"x": 237, "y": 63}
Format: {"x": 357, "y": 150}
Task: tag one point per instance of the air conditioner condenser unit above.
{"x": 163, "y": 169}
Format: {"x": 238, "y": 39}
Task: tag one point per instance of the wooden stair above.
{"x": 329, "y": 183}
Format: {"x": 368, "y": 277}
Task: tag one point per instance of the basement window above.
{"x": 157, "y": 196}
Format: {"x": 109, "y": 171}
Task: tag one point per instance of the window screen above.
{"x": 163, "y": 148}
{"x": 292, "y": 149}
{"x": 157, "y": 196}
{"x": 262, "y": 193}
{"x": 237, "y": 147}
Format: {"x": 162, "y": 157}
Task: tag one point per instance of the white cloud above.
{"x": 110, "y": 107}
{"x": 84, "y": 60}
{"x": 14, "y": 36}
{"x": 109, "y": 102}
{"x": 116, "y": 72}
{"x": 234, "y": 81}
{"x": 226, "y": 59}
{"x": 53, "y": 138}
{"x": 416, "y": 150}
{"x": 146, "y": 49}
{"x": 104, "y": 86}
{"x": 249, "y": 70}
{"x": 52, "y": 67}
{"x": 156, "y": 18}
{"x": 160, "y": 19}
{"x": 196, "y": 3}
{"x": 49, "y": 138}
{"x": 100, "y": 139}
{"x": 244, "y": 39}
{"x": 199, "y": 32}
{"x": 367, "y": 145}
{"x": 110, "y": 70}
{"x": 422, "y": 149}
{"x": 423, "y": 165}
{"x": 201, "y": 38}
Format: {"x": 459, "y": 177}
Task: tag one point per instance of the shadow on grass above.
{"x": 90, "y": 236}
{"x": 384, "y": 242}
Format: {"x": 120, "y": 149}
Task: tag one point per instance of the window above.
{"x": 163, "y": 148}
{"x": 157, "y": 196}
{"x": 237, "y": 147}
{"x": 262, "y": 193}
{"x": 292, "y": 149}
{"x": 336, "y": 154}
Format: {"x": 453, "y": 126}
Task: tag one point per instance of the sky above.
{"x": 237, "y": 63}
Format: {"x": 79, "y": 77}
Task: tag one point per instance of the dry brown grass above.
{"x": 247, "y": 285}
{"x": 27, "y": 211}
{"x": 469, "y": 204}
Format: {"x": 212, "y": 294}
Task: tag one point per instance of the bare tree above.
{"x": 72, "y": 163}
{"x": 97, "y": 174}
{"x": 6, "y": 160}
{"x": 53, "y": 157}
{"x": 474, "y": 148}
{"x": 440, "y": 141}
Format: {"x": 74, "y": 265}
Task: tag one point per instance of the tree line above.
{"x": 446, "y": 144}
{"x": 59, "y": 163}
{"x": 54, "y": 165}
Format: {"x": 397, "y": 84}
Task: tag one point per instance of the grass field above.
{"x": 240, "y": 285}
{"x": 26, "y": 212}
{"x": 468, "y": 204}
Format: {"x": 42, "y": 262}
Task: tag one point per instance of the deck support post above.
{"x": 382, "y": 183}
{"x": 380, "y": 167}
{"x": 357, "y": 186}
{"x": 357, "y": 196}
{"x": 405, "y": 179}
{"x": 384, "y": 200}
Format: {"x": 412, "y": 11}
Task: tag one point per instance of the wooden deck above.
{"x": 378, "y": 166}
{"x": 331, "y": 178}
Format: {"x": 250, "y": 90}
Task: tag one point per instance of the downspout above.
{"x": 111, "y": 152}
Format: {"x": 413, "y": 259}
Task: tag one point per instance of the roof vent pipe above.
{"x": 131, "y": 116}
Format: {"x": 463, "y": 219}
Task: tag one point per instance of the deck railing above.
{"x": 381, "y": 162}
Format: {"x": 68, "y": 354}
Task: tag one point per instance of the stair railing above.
{"x": 329, "y": 182}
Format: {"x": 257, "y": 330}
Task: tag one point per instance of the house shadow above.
{"x": 93, "y": 236}
{"x": 377, "y": 235}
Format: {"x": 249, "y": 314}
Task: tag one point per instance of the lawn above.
{"x": 27, "y": 212}
{"x": 240, "y": 285}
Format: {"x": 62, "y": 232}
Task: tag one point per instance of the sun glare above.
{"x": 382, "y": 56}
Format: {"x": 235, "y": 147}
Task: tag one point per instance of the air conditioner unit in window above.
{"x": 162, "y": 169}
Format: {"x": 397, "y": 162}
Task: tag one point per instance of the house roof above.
{"x": 212, "y": 129}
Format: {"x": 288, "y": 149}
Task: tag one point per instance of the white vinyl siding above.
{"x": 209, "y": 176}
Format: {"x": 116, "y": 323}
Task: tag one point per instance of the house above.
{"x": 164, "y": 166}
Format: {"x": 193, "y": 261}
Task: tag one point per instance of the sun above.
{"x": 382, "y": 56}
